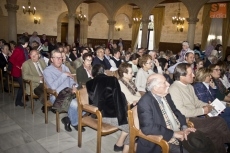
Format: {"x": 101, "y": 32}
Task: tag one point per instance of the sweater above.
{"x": 186, "y": 100}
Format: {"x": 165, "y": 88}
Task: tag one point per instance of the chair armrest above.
{"x": 152, "y": 138}
{"x": 190, "y": 124}
{"x": 52, "y": 92}
{"x": 90, "y": 108}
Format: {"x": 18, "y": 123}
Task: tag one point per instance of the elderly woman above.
{"x": 105, "y": 93}
{"x": 133, "y": 60}
{"x": 127, "y": 85}
{"x": 146, "y": 69}
{"x": 84, "y": 72}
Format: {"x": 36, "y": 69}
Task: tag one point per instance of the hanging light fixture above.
{"x": 81, "y": 16}
{"x": 178, "y": 19}
{"x": 136, "y": 15}
{"x": 29, "y": 10}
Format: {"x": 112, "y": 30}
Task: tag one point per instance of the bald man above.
{"x": 158, "y": 116}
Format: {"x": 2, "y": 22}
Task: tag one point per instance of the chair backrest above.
{"x": 136, "y": 132}
{"x": 82, "y": 96}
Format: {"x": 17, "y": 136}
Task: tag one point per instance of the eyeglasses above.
{"x": 59, "y": 58}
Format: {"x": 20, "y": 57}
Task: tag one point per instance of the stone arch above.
{"x": 94, "y": 11}
{"x": 99, "y": 21}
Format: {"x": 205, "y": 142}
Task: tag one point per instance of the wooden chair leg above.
{"x": 13, "y": 91}
{"x": 57, "y": 122}
{"x": 24, "y": 95}
{"x": 79, "y": 133}
{"x": 46, "y": 115}
{"x": 32, "y": 103}
{"x": 98, "y": 141}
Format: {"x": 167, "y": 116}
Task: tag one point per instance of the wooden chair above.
{"x": 12, "y": 84}
{"x": 47, "y": 103}
{"x": 32, "y": 95}
{"x": 136, "y": 132}
{"x": 1, "y": 80}
{"x": 102, "y": 128}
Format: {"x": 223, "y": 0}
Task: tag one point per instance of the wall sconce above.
{"x": 180, "y": 29}
{"x": 36, "y": 21}
{"x": 118, "y": 29}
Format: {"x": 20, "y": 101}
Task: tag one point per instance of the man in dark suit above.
{"x": 159, "y": 116}
{"x": 4, "y": 63}
{"x": 100, "y": 59}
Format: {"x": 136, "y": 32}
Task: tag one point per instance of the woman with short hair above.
{"x": 128, "y": 87}
{"x": 143, "y": 73}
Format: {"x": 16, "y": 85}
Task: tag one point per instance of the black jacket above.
{"x": 152, "y": 122}
{"x": 3, "y": 62}
{"x": 105, "y": 93}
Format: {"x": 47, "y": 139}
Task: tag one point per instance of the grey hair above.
{"x": 54, "y": 51}
{"x": 152, "y": 83}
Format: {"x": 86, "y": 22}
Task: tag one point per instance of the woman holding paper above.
{"x": 206, "y": 91}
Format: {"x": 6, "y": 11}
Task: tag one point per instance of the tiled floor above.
{"x": 22, "y": 132}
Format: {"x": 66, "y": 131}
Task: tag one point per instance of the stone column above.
{"x": 71, "y": 28}
{"x": 191, "y": 30}
{"x": 58, "y": 31}
{"x": 12, "y": 20}
{"x": 83, "y": 32}
{"x": 145, "y": 23}
{"x": 111, "y": 28}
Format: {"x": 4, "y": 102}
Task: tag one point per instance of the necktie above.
{"x": 39, "y": 69}
{"x": 168, "y": 111}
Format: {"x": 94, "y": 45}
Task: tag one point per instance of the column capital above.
{"x": 192, "y": 20}
{"x": 145, "y": 21}
{"x": 111, "y": 22}
{"x": 71, "y": 15}
{"x": 11, "y": 7}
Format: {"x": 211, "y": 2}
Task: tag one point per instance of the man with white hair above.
{"x": 159, "y": 116}
{"x": 185, "y": 48}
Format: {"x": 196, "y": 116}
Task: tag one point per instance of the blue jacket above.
{"x": 203, "y": 93}
{"x": 104, "y": 62}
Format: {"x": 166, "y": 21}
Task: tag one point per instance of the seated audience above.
{"x": 206, "y": 91}
{"x": 134, "y": 61}
{"x": 163, "y": 63}
{"x": 126, "y": 57}
{"x": 4, "y": 64}
{"x": 210, "y": 60}
{"x": 57, "y": 77}
{"x": 115, "y": 61}
{"x": 159, "y": 116}
{"x": 140, "y": 51}
{"x": 185, "y": 49}
{"x": 199, "y": 64}
{"x": 128, "y": 87}
{"x": 223, "y": 77}
{"x": 79, "y": 61}
{"x": 189, "y": 58}
{"x": 105, "y": 93}
{"x": 222, "y": 92}
{"x": 100, "y": 59}
{"x": 19, "y": 56}
{"x": 188, "y": 104}
{"x": 84, "y": 72}
{"x": 107, "y": 54}
{"x": 73, "y": 54}
{"x": 32, "y": 70}
{"x": 146, "y": 69}
{"x": 68, "y": 63}
{"x": 155, "y": 65}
